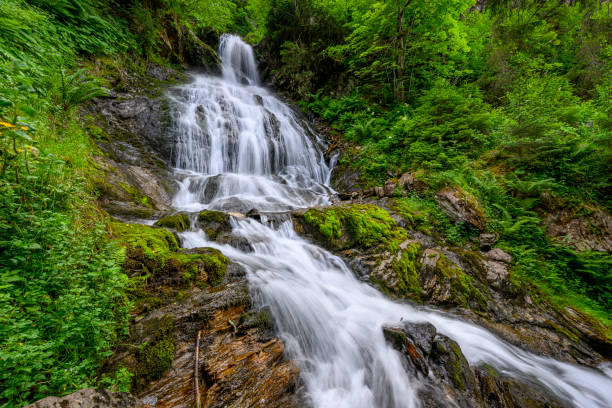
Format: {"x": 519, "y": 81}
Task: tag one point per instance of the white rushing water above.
{"x": 239, "y": 147}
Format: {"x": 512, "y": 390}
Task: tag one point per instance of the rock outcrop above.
{"x": 198, "y": 293}
{"x": 461, "y": 208}
{"x": 476, "y": 285}
{"x": 447, "y": 376}
{"x": 90, "y": 398}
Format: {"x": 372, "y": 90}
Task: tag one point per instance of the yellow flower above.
{"x": 6, "y": 124}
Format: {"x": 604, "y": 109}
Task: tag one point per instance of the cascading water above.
{"x": 239, "y": 147}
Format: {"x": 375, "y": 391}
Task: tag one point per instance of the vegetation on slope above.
{"x": 507, "y": 101}
{"x": 64, "y": 298}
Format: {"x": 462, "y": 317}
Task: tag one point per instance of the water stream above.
{"x": 239, "y": 147}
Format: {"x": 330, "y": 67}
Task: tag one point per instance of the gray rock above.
{"x": 497, "y": 254}
{"x": 421, "y": 334}
{"x": 389, "y": 188}
{"x": 497, "y": 273}
{"x": 254, "y": 214}
{"x": 487, "y": 240}
{"x": 406, "y": 180}
{"x": 90, "y": 398}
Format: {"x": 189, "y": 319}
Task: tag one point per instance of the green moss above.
{"x": 156, "y": 359}
{"x": 156, "y": 243}
{"x": 454, "y": 367}
{"x": 136, "y": 194}
{"x": 361, "y": 225}
{"x": 462, "y": 289}
{"x": 179, "y": 222}
{"x": 155, "y": 251}
{"x": 406, "y": 269}
{"x": 212, "y": 216}
{"x": 255, "y": 319}
{"x": 216, "y": 266}
{"x": 156, "y": 356}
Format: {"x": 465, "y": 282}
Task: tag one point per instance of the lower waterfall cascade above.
{"x": 239, "y": 147}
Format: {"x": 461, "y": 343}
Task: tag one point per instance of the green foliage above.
{"x": 511, "y": 104}
{"x": 62, "y": 302}
{"x": 120, "y": 381}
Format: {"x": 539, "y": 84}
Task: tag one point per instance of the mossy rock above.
{"x": 154, "y": 253}
{"x": 359, "y": 225}
{"x": 179, "y": 222}
{"x": 155, "y": 356}
{"x": 212, "y": 262}
{"x": 454, "y": 286}
{"x": 406, "y": 268}
{"x": 136, "y": 195}
{"x": 447, "y": 354}
{"x": 214, "y": 223}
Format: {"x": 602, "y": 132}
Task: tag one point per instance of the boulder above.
{"x": 460, "y": 208}
{"x": 487, "y": 240}
{"x": 90, "y": 398}
{"x": 389, "y": 188}
{"x": 446, "y": 375}
{"x": 179, "y": 222}
{"x": 497, "y": 254}
{"x": 214, "y": 223}
{"x": 406, "y": 181}
{"x": 497, "y": 274}
{"x": 254, "y": 214}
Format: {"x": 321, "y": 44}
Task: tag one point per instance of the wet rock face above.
{"x": 240, "y": 362}
{"x": 134, "y": 181}
{"x": 448, "y": 378}
{"x": 90, "y": 398}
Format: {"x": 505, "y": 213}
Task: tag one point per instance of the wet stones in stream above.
{"x": 447, "y": 378}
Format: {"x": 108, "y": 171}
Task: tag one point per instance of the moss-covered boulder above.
{"x": 351, "y": 225}
{"x": 370, "y": 234}
{"x": 213, "y": 264}
{"x": 179, "y": 222}
{"x": 214, "y": 223}
{"x": 154, "y": 254}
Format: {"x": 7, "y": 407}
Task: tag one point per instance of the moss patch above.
{"x": 136, "y": 194}
{"x": 462, "y": 289}
{"x": 406, "y": 268}
{"x": 360, "y": 225}
{"x": 155, "y": 356}
{"x": 214, "y": 223}
{"x": 153, "y": 253}
{"x": 179, "y": 222}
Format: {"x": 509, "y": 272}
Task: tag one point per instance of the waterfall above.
{"x": 239, "y": 147}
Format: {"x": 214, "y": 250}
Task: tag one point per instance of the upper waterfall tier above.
{"x": 256, "y": 147}
{"x": 238, "y": 61}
